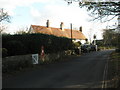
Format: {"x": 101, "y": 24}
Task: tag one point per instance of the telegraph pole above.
{"x": 94, "y": 39}
{"x": 71, "y": 31}
{"x": 71, "y": 37}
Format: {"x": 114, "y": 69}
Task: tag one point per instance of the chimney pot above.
{"x": 48, "y": 23}
{"x": 62, "y": 26}
{"x": 80, "y": 29}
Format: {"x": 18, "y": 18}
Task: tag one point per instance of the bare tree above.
{"x": 110, "y": 37}
{"x": 4, "y": 15}
{"x": 103, "y": 10}
{"x": 100, "y": 9}
{"x": 22, "y": 31}
{"x": 90, "y": 35}
{"x": 2, "y": 28}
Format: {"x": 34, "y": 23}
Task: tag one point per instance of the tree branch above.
{"x": 4, "y": 16}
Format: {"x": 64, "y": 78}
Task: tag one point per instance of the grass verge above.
{"x": 114, "y": 70}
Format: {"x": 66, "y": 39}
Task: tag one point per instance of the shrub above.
{"x": 77, "y": 44}
{"x": 4, "y": 52}
{"x": 15, "y": 48}
{"x": 117, "y": 50}
{"x": 31, "y": 43}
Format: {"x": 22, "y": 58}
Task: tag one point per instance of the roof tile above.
{"x": 58, "y": 32}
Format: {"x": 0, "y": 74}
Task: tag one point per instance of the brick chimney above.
{"x": 62, "y": 26}
{"x": 47, "y": 24}
{"x": 80, "y": 29}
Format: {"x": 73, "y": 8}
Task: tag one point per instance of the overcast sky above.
{"x": 36, "y": 12}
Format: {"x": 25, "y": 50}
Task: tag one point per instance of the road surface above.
{"x": 0, "y": 72}
{"x": 87, "y": 71}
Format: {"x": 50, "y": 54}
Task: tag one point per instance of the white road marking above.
{"x": 104, "y": 83}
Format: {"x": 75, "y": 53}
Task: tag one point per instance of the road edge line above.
{"x": 104, "y": 82}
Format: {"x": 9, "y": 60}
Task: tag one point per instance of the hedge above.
{"x": 31, "y": 43}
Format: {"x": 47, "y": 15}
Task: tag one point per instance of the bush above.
{"x": 77, "y": 44}
{"x": 31, "y": 43}
{"x": 117, "y": 50}
{"x": 15, "y": 48}
{"x": 4, "y": 52}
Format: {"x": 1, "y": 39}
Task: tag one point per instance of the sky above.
{"x": 36, "y": 12}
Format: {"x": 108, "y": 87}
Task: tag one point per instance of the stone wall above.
{"x": 16, "y": 62}
{"x": 52, "y": 57}
{"x": 22, "y": 61}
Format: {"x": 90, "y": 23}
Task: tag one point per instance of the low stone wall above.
{"x": 21, "y": 61}
{"x": 16, "y": 62}
{"x": 52, "y": 57}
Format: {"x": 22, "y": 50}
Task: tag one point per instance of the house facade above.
{"x": 76, "y": 35}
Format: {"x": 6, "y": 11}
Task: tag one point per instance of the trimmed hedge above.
{"x": 31, "y": 43}
{"x": 15, "y": 47}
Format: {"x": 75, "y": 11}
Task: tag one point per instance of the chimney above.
{"x": 80, "y": 29}
{"x": 62, "y": 26}
{"x": 47, "y": 24}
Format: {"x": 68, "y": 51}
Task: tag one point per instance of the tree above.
{"x": 4, "y": 15}
{"x": 2, "y": 28}
{"x": 110, "y": 37}
{"x": 90, "y": 35}
{"x": 100, "y": 10}
{"x": 22, "y": 31}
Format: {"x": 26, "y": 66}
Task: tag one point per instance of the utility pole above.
{"x": 94, "y": 39}
{"x": 71, "y": 37}
{"x": 71, "y": 31}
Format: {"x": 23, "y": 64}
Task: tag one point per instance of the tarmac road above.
{"x": 0, "y": 72}
{"x": 87, "y": 71}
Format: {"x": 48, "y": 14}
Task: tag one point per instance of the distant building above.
{"x": 59, "y": 32}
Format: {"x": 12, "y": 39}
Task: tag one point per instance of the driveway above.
{"x": 86, "y": 71}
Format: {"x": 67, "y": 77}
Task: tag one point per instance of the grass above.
{"x": 114, "y": 70}
{"x": 105, "y": 47}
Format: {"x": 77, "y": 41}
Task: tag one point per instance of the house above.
{"x": 59, "y": 32}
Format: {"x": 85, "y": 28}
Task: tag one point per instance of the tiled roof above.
{"x": 58, "y": 32}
